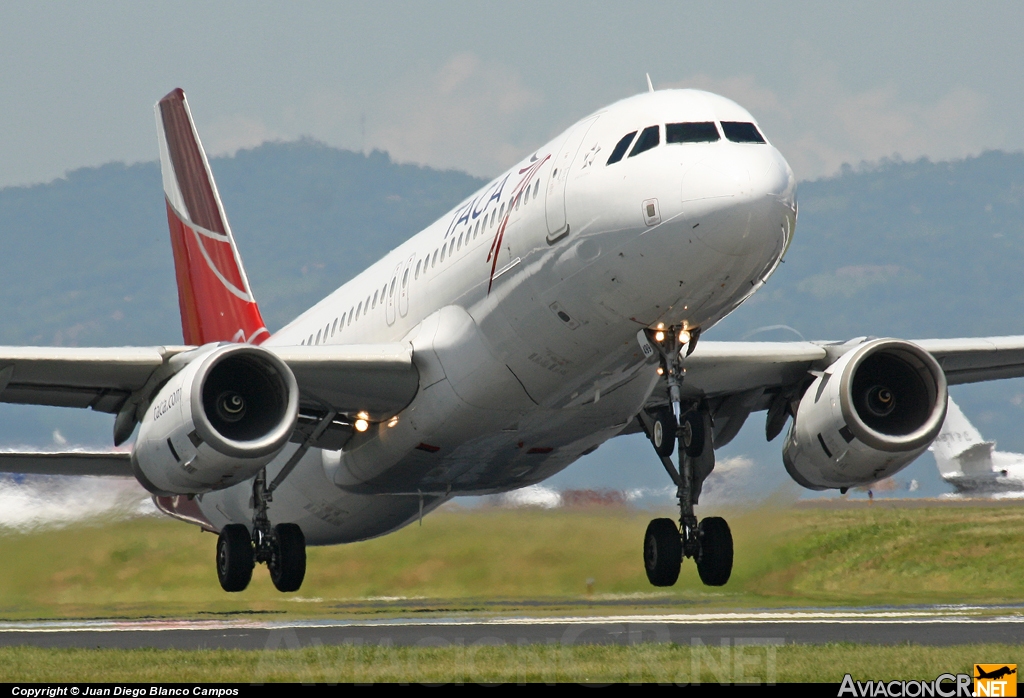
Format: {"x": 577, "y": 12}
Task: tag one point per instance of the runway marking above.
{"x": 974, "y": 615}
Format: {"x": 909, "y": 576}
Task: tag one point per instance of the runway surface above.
{"x": 935, "y": 626}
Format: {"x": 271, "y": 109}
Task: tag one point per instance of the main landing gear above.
{"x": 282, "y": 547}
{"x": 709, "y": 542}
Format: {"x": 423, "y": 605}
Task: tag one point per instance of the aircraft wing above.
{"x": 976, "y": 360}
{"x": 724, "y": 368}
{"x": 101, "y": 379}
{"x": 110, "y": 463}
{"x": 738, "y": 378}
{"x": 380, "y": 379}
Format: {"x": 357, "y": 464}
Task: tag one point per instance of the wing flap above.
{"x": 107, "y": 464}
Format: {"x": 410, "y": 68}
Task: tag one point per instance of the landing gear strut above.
{"x": 709, "y": 542}
{"x": 281, "y": 547}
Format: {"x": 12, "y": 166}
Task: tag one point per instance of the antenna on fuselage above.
{"x": 650, "y": 87}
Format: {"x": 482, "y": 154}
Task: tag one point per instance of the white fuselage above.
{"x": 523, "y": 305}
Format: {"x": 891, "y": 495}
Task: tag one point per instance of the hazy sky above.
{"x": 473, "y": 85}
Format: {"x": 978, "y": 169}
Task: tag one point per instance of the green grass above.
{"x": 650, "y": 663}
{"x": 492, "y": 558}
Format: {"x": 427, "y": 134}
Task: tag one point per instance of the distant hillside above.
{"x": 911, "y": 249}
{"x": 87, "y": 260}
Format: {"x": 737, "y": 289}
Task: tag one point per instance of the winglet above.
{"x": 214, "y": 296}
{"x": 650, "y": 85}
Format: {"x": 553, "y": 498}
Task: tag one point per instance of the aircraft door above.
{"x": 392, "y": 294}
{"x": 560, "y": 168}
{"x": 403, "y": 289}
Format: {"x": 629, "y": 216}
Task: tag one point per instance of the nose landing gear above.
{"x": 709, "y": 543}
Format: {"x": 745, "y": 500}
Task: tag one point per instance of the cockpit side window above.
{"x": 742, "y": 132}
{"x": 621, "y": 147}
{"x": 691, "y": 132}
{"x": 649, "y": 138}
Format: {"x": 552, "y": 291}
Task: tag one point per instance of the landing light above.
{"x": 659, "y": 336}
{"x": 684, "y": 336}
{"x": 661, "y": 371}
{"x": 361, "y": 425}
{"x": 393, "y": 421}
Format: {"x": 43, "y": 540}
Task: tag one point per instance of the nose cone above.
{"x": 739, "y": 197}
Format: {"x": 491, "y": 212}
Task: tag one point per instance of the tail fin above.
{"x": 959, "y": 447}
{"x": 216, "y": 302}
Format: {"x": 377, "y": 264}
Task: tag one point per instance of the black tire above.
{"x": 691, "y": 434}
{"x": 714, "y": 561}
{"x": 663, "y": 433}
{"x": 235, "y": 558}
{"x": 663, "y": 552}
{"x": 288, "y": 562}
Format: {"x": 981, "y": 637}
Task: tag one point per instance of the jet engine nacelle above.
{"x": 867, "y": 416}
{"x": 217, "y": 421}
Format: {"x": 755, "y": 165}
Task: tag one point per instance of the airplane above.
{"x": 560, "y": 305}
{"x": 995, "y": 673}
{"x": 971, "y": 464}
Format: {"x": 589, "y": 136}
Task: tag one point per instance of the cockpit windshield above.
{"x": 649, "y": 138}
{"x": 621, "y": 147}
{"x": 691, "y": 132}
{"x": 742, "y": 132}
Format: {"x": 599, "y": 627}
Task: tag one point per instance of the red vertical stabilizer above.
{"x": 216, "y": 302}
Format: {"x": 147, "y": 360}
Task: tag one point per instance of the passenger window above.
{"x": 375, "y": 298}
{"x": 693, "y": 132}
{"x": 493, "y": 217}
{"x": 302, "y": 343}
{"x": 366, "y": 308}
{"x": 620, "y": 148}
{"x": 536, "y": 188}
{"x": 502, "y": 213}
{"x": 476, "y": 229}
{"x": 742, "y": 132}
{"x": 310, "y": 339}
{"x": 418, "y": 263}
{"x": 359, "y": 310}
{"x": 517, "y": 201}
{"x": 443, "y": 249}
{"x": 335, "y": 328}
{"x": 649, "y": 138}
{"x": 351, "y": 312}
{"x": 391, "y": 291}
{"x": 451, "y": 248}
{"x": 343, "y": 316}
{"x": 433, "y": 263}
{"x": 460, "y": 241}
{"x": 383, "y": 292}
